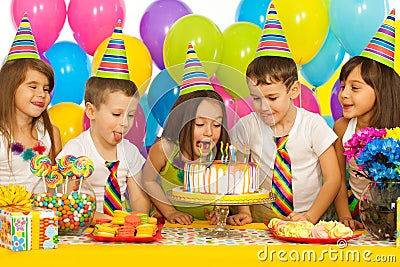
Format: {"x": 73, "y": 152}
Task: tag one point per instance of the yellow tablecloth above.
{"x": 204, "y": 255}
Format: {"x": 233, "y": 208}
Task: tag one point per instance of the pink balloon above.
{"x": 307, "y": 100}
{"x": 137, "y": 133}
{"x": 47, "y": 18}
{"x": 85, "y": 122}
{"x": 229, "y": 102}
{"x": 244, "y": 106}
{"x": 92, "y": 21}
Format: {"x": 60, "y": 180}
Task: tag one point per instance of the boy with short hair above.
{"x": 111, "y": 100}
{"x": 293, "y": 146}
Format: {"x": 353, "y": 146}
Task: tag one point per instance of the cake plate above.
{"x": 221, "y": 209}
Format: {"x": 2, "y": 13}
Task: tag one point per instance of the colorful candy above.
{"x": 75, "y": 211}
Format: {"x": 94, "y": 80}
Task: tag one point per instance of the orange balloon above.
{"x": 140, "y": 64}
{"x": 67, "y": 116}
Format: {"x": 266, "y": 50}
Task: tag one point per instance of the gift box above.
{"x": 24, "y": 228}
{"x": 398, "y": 224}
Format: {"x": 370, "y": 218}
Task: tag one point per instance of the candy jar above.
{"x": 74, "y": 202}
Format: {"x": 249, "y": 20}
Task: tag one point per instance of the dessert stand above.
{"x": 221, "y": 205}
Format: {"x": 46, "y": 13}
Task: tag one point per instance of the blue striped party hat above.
{"x": 194, "y": 77}
{"x": 381, "y": 47}
{"x": 24, "y": 45}
{"x": 114, "y": 63}
{"x": 273, "y": 41}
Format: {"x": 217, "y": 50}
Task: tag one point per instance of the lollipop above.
{"x": 82, "y": 167}
{"x": 54, "y": 178}
{"x": 65, "y": 167}
{"x": 40, "y": 166}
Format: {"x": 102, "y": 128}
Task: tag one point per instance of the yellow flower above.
{"x": 393, "y": 133}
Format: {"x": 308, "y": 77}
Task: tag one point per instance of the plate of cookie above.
{"x": 313, "y": 240}
{"x": 131, "y": 228}
{"x": 305, "y": 232}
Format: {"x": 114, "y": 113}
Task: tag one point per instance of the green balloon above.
{"x": 240, "y": 42}
{"x": 205, "y": 37}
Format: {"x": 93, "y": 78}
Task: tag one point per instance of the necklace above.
{"x": 27, "y": 154}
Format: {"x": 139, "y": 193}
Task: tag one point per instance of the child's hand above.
{"x": 353, "y": 224}
{"x": 180, "y": 217}
{"x": 239, "y": 219}
{"x": 211, "y": 216}
{"x": 296, "y": 216}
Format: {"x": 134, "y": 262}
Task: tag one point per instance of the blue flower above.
{"x": 18, "y": 243}
{"x": 381, "y": 159}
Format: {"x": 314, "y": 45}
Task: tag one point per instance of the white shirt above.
{"x": 309, "y": 137}
{"x": 357, "y": 184}
{"x": 20, "y": 172}
{"x": 131, "y": 162}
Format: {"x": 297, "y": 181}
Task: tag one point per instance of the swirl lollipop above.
{"x": 65, "y": 168}
{"x": 54, "y": 178}
{"x": 65, "y": 165}
{"x": 82, "y": 167}
{"x": 40, "y": 166}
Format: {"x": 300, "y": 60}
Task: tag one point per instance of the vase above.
{"x": 74, "y": 202}
{"x": 378, "y": 208}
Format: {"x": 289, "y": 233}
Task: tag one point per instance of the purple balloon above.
{"x": 336, "y": 107}
{"x": 155, "y": 24}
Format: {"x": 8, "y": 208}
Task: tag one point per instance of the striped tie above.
{"x": 112, "y": 193}
{"x": 282, "y": 179}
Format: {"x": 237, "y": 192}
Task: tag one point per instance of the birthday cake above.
{"x": 221, "y": 182}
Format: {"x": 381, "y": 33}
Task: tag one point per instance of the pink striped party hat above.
{"x": 273, "y": 41}
{"x": 381, "y": 47}
{"x": 194, "y": 77}
{"x": 24, "y": 45}
{"x": 114, "y": 63}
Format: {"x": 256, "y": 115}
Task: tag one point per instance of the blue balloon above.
{"x": 329, "y": 120}
{"x": 355, "y": 22}
{"x": 321, "y": 68}
{"x": 163, "y": 92}
{"x": 72, "y": 68}
{"x": 152, "y": 127}
{"x": 253, "y": 11}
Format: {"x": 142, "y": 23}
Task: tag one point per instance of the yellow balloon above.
{"x": 397, "y": 48}
{"x": 68, "y": 117}
{"x": 140, "y": 64}
{"x": 305, "y": 24}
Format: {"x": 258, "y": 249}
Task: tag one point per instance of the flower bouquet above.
{"x": 377, "y": 154}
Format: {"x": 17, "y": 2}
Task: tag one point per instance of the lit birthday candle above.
{"x": 244, "y": 154}
{"x": 226, "y": 153}
{"x": 201, "y": 152}
{"x": 222, "y": 152}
